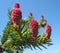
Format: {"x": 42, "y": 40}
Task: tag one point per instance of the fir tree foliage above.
{"x": 16, "y": 40}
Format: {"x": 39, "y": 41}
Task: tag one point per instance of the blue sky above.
{"x": 49, "y": 8}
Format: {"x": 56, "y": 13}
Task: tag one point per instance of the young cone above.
{"x": 47, "y": 31}
{"x": 33, "y": 28}
{"x": 43, "y": 21}
{"x": 16, "y": 15}
{"x": 31, "y": 15}
{"x": 42, "y": 16}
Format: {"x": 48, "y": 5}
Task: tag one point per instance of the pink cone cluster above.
{"x": 33, "y": 28}
{"x": 16, "y": 15}
{"x": 47, "y": 30}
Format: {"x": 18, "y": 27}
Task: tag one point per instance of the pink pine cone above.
{"x": 42, "y": 16}
{"x": 16, "y": 15}
{"x": 33, "y": 27}
{"x": 16, "y": 5}
{"x": 30, "y": 13}
{"x": 47, "y": 30}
